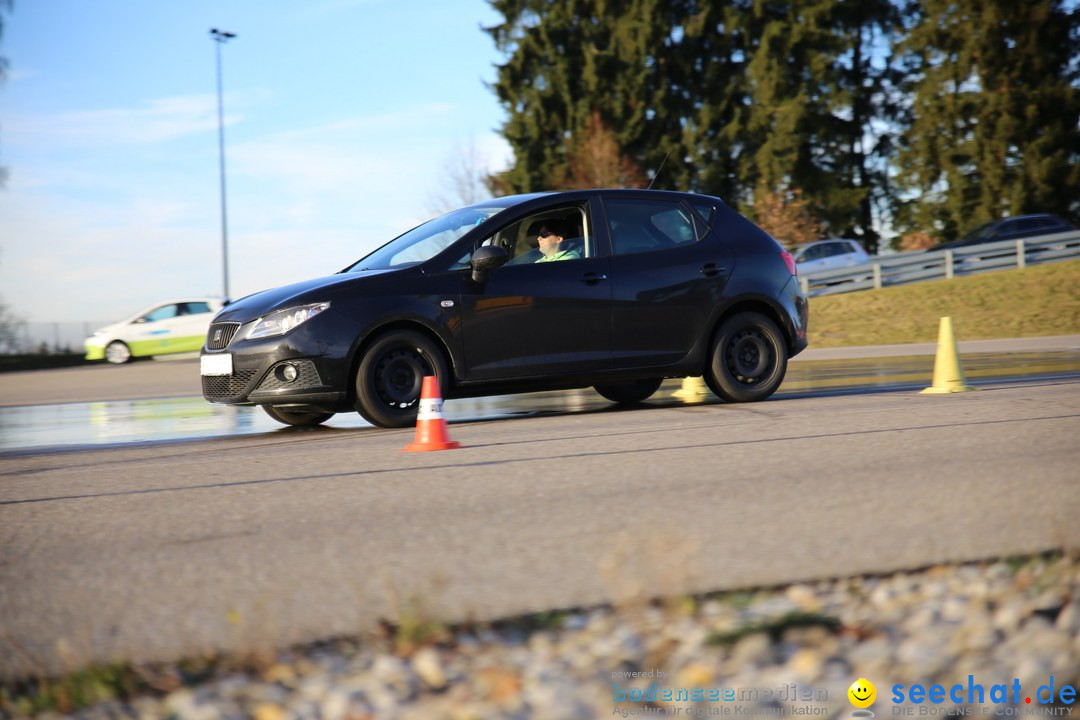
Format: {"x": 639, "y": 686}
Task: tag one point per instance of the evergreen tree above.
{"x": 817, "y": 93}
{"x": 574, "y": 68}
{"x": 994, "y": 113}
{"x": 755, "y": 99}
{"x": 712, "y": 58}
{"x": 865, "y": 86}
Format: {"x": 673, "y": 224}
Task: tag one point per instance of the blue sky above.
{"x": 341, "y": 117}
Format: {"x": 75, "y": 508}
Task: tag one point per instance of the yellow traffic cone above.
{"x": 693, "y": 388}
{"x": 948, "y": 375}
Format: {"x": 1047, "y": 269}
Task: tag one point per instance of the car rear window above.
{"x": 642, "y": 226}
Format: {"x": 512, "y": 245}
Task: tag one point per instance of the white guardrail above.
{"x": 903, "y": 268}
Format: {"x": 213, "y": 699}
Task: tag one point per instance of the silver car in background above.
{"x": 831, "y": 254}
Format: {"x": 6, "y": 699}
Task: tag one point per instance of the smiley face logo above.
{"x": 862, "y": 693}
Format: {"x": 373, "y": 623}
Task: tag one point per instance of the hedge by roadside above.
{"x": 13, "y": 363}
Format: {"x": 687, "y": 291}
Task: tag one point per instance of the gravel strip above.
{"x": 780, "y": 652}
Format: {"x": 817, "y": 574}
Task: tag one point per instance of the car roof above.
{"x": 1032, "y": 215}
{"x": 1029, "y": 216}
{"x": 508, "y": 201}
{"x": 827, "y": 240}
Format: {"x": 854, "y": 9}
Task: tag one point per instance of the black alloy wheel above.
{"x": 391, "y": 375}
{"x": 629, "y": 393}
{"x": 297, "y": 419}
{"x": 748, "y": 359}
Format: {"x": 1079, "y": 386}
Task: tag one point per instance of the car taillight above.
{"x": 790, "y": 262}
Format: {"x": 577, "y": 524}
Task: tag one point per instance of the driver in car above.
{"x": 551, "y": 236}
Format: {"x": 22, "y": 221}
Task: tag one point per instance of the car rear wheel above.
{"x": 748, "y": 359}
{"x": 118, "y": 352}
{"x": 391, "y": 374}
{"x": 629, "y": 393}
{"x": 297, "y": 419}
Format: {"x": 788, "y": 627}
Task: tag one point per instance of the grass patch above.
{"x": 73, "y": 692}
{"x": 776, "y": 627}
{"x": 1036, "y": 301}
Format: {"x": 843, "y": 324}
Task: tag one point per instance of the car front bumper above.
{"x": 95, "y": 348}
{"x": 318, "y": 351}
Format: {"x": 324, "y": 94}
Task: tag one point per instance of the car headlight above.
{"x": 282, "y": 321}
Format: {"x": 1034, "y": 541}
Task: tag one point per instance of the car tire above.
{"x": 391, "y": 374}
{"x": 629, "y": 393}
{"x": 748, "y": 359}
{"x": 297, "y": 419}
{"x": 117, "y": 352}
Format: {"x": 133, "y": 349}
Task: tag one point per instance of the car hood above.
{"x": 319, "y": 289}
{"x": 109, "y": 330}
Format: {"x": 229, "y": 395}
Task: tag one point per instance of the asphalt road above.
{"x": 165, "y": 550}
{"x": 179, "y": 376}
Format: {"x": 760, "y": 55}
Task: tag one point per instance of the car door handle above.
{"x": 711, "y": 269}
{"x": 591, "y": 278}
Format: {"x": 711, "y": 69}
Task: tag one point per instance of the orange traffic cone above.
{"x": 430, "y": 425}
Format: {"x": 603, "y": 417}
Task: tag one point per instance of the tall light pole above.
{"x": 221, "y": 37}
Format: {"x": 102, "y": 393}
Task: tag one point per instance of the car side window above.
{"x": 521, "y": 239}
{"x": 643, "y": 226}
{"x": 162, "y": 313}
{"x": 706, "y": 210}
{"x": 1004, "y": 230}
{"x": 198, "y": 308}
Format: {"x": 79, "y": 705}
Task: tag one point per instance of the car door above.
{"x": 192, "y": 322}
{"x": 667, "y": 274}
{"x": 152, "y": 332}
{"x": 814, "y": 258}
{"x": 838, "y": 254}
{"x": 1001, "y": 232}
{"x": 539, "y": 318}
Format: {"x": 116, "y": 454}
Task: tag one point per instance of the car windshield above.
{"x": 425, "y": 241}
{"x": 981, "y": 231}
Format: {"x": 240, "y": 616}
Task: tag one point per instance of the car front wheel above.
{"x": 629, "y": 393}
{"x": 748, "y": 359}
{"x": 391, "y": 374}
{"x": 297, "y": 419}
{"x": 117, "y": 352}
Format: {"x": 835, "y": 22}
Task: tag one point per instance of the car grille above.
{"x": 226, "y": 386}
{"x": 220, "y": 335}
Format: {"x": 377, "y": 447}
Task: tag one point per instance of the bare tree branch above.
{"x": 463, "y": 182}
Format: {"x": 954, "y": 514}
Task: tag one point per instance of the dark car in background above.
{"x": 658, "y": 284}
{"x": 1014, "y": 228}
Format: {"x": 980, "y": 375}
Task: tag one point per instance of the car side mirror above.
{"x": 486, "y": 259}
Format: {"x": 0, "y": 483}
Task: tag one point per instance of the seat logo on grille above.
{"x": 217, "y": 335}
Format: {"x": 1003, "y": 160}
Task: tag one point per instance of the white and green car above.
{"x": 176, "y": 326}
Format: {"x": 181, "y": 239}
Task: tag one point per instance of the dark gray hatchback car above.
{"x": 1014, "y": 228}
{"x": 614, "y": 289}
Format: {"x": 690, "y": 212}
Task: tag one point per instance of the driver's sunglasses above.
{"x": 545, "y": 234}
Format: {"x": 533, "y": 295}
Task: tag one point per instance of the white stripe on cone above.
{"x": 430, "y": 409}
